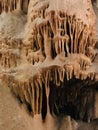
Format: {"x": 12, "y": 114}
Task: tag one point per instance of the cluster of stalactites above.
{"x": 56, "y": 32}
{"x": 32, "y": 91}
{"x": 10, "y": 53}
{"x": 9, "y": 58}
{"x": 10, "y": 5}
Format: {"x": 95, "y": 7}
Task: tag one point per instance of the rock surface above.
{"x": 47, "y": 50}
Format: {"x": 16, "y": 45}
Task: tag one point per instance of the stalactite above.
{"x": 51, "y": 17}
{"x": 40, "y": 100}
{"x": 21, "y": 89}
{"x": 84, "y": 62}
{"x": 47, "y": 76}
{"x": 36, "y": 97}
{"x": 62, "y": 74}
{"x": 96, "y": 76}
{"x": 90, "y": 52}
{"x": 83, "y": 75}
{"x": 83, "y": 40}
{"x": 76, "y": 70}
{"x": 69, "y": 71}
{"x": 10, "y": 5}
{"x": 32, "y": 99}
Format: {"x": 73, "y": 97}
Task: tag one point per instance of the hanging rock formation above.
{"x": 48, "y": 55}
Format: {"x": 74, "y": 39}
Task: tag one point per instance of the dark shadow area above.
{"x": 44, "y": 104}
{"x": 75, "y": 98}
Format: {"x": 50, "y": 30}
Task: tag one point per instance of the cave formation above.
{"x": 48, "y": 56}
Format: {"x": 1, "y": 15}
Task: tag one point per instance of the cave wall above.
{"x": 48, "y": 56}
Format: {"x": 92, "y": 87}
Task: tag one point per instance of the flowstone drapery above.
{"x": 48, "y": 56}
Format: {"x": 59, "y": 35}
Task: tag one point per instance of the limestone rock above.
{"x": 47, "y": 51}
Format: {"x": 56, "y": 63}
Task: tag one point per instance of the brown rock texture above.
{"x": 48, "y": 57}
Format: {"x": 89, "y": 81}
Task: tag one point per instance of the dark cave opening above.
{"x": 75, "y": 98}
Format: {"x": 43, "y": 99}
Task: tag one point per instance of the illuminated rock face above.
{"x": 48, "y": 55}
